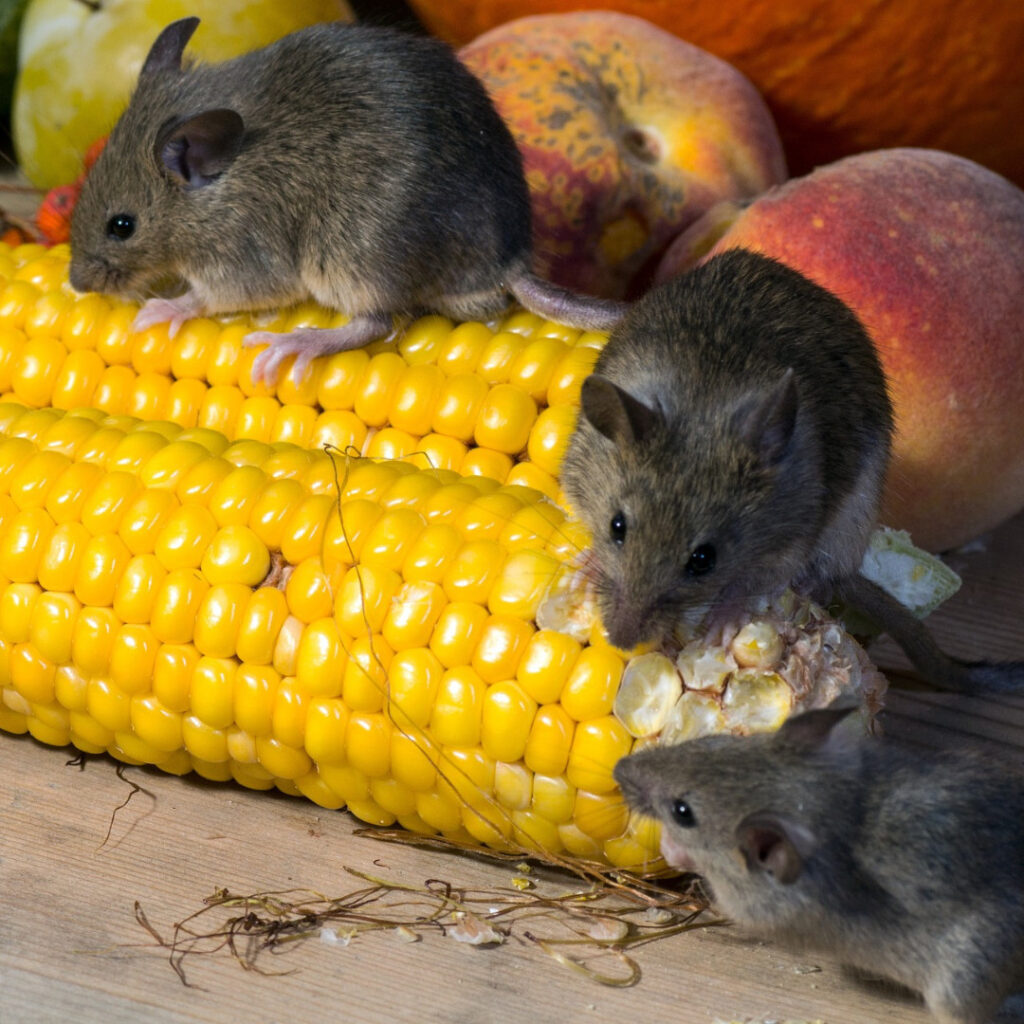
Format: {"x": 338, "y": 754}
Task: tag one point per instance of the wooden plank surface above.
{"x": 71, "y": 948}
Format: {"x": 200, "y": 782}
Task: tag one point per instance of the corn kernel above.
{"x": 458, "y": 406}
{"x": 254, "y": 696}
{"x": 596, "y": 747}
{"x": 108, "y": 706}
{"x": 590, "y": 690}
{"x": 550, "y": 741}
{"x": 457, "y": 632}
{"x": 506, "y": 719}
{"x": 213, "y": 692}
{"x": 513, "y": 786}
{"x": 176, "y": 606}
{"x": 502, "y": 640}
{"x": 364, "y": 685}
{"x": 421, "y": 339}
{"x": 457, "y": 712}
{"x": 413, "y": 613}
{"x": 340, "y": 379}
{"x": 390, "y": 538}
{"x": 473, "y": 571}
{"x": 368, "y": 744}
{"x": 377, "y": 388}
{"x": 52, "y": 625}
{"x": 288, "y": 717}
{"x": 262, "y": 620}
{"x": 326, "y": 728}
{"x": 600, "y": 815}
{"x": 24, "y": 541}
{"x": 59, "y": 567}
{"x": 322, "y": 660}
{"x": 32, "y": 675}
{"x": 172, "y": 675}
{"x": 156, "y": 724}
{"x": 505, "y": 419}
{"x": 219, "y": 619}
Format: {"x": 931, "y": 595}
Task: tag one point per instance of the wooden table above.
{"x": 72, "y": 950}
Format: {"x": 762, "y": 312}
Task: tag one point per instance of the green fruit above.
{"x": 78, "y": 61}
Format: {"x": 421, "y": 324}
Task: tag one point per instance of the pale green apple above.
{"x": 78, "y": 61}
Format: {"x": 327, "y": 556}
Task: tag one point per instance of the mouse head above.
{"x": 130, "y": 223}
{"x": 676, "y": 508}
{"x": 746, "y": 812}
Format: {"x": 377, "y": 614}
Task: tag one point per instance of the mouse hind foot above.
{"x": 307, "y": 343}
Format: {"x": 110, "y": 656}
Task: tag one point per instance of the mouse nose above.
{"x": 79, "y": 277}
{"x": 628, "y": 627}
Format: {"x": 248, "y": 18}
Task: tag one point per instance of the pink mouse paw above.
{"x": 307, "y": 343}
{"x": 267, "y": 364}
{"x": 173, "y": 312}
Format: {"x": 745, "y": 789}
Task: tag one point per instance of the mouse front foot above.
{"x": 308, "y": 343}
{"x": 173, "y": 312}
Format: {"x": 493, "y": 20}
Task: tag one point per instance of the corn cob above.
{"x": 397, "y": 670}
{"x": 360, "y": 632}
{"x": 497, "y": 400}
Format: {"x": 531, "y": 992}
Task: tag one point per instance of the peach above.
{"x": 928, "y": 249}
{"x": 628, "y": 134}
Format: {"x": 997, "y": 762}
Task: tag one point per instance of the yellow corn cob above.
{"x": 363, "y": 633}
{"x": 497, "y": 400}
{"x": 396, "y": 668}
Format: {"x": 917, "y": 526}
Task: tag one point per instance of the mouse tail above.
{"x": 567, "y": 307}
{"x": 917, "y": 641}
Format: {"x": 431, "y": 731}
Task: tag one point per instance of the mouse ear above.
{"x": 766, "y": 421}
{"x": 616, "y": 413}
{"x": 165, "y": 53}
{"x": 818, "y": 730}
{"x": 200, "y": 148}
{"x": 773, "y": 843}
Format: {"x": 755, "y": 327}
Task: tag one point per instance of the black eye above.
{"x": 682, "y": 813}
{"x": 617, "y": 530}
{"x": 701, "y": 560}
{"x": 121, "y": 226}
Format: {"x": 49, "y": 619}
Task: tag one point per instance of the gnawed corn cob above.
{"x": 360, "y": 632}
{"x": 492, "y": 399}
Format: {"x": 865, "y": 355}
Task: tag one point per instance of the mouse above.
{"x": 899, "y": 862}
{"x": 360, "y": 166}
{"x": 732, "y": 441}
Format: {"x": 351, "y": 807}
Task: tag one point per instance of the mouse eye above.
{"x": 682, "y": 813}
{"x": 121, "y": 226}
{"x": 617, "y": 530}
{"x": 701, "y": 560}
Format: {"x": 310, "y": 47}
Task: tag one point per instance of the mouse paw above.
{"x": 307, "y": 343}
{"x": 173, "y": 312}
{"x": 267, "y": 364}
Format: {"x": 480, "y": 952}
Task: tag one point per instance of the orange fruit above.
{"x": 839, "y": 77}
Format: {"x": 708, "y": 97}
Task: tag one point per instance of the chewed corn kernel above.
{"x": 649, "y": 689}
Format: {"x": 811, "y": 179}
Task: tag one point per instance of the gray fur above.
{"x": 716, "y": 358}
{"x": 373, "y": 174}
{"x": 704, "y": 352}
{"x": 913, "y": 865}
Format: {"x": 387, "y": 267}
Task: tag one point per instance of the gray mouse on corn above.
{"x": 897, "y": 862}
{"x": 360, "y": 166}
{"x": 733, "y": 441}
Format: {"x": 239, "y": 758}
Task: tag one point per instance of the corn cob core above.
{"x": 496, "y": 399}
